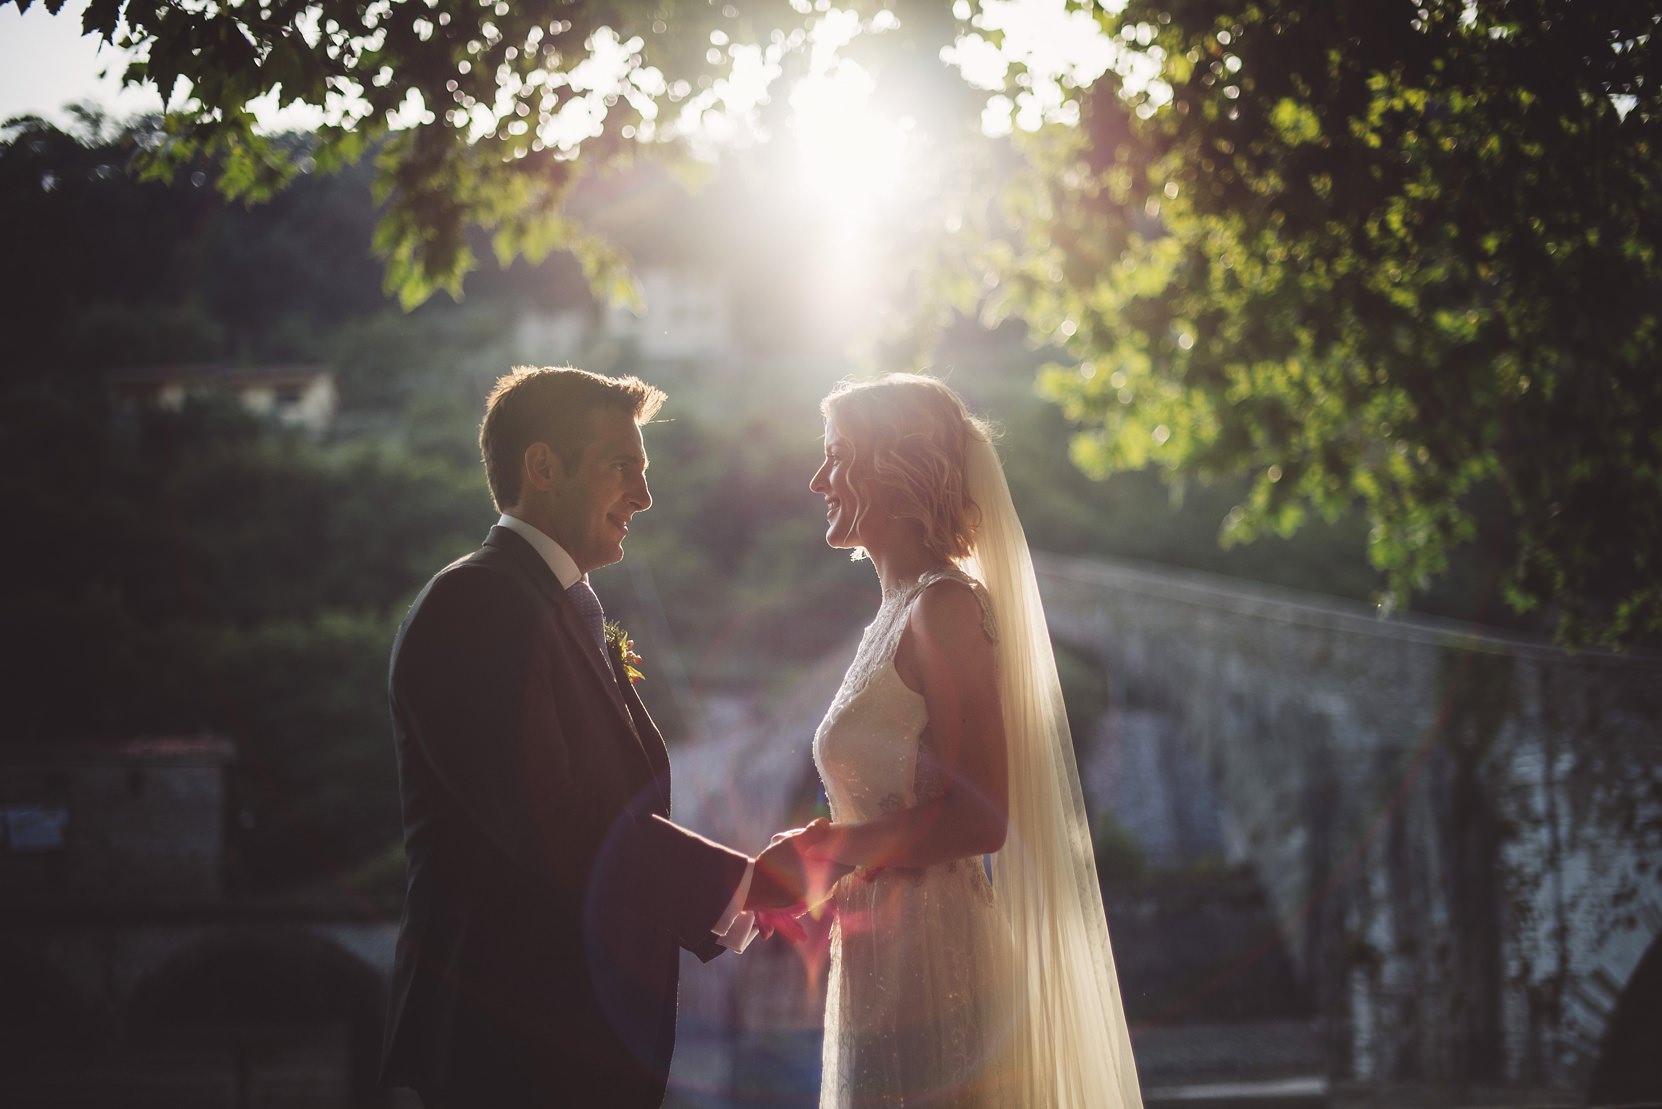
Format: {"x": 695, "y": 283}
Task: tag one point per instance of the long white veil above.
{"x": 1070, "y": 1046}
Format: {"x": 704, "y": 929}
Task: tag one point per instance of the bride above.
{"x": 970, "y": 963}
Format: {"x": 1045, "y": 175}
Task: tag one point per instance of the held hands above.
{"x": 769, "y": 921}
{"x": 815, "y": 844}
{"x": 790, "y": 877}
{"x": 780, "y": 880}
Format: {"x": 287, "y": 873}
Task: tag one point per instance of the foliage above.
{"x": 1400, "y": 256}
{"x": 1397, "y": 255}
{"x": 106, "y": 272}
{"x": 474, "y": 85}
{"x": 194, "y": 572}
{"x": 208, "y": 572}
{"x": 201, "y": 570}
{"x": 1132, "y": 514}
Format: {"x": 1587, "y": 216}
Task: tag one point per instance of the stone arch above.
{"x": 1172, "y": 884}
{"x": 1086, "y": 686}
{"x": 1128, "y": 725}
{"x": 1629, "y": 1070}
{"x": 273, "y": 1018}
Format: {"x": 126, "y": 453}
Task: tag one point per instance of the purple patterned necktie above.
{"x": 588, "y": 608}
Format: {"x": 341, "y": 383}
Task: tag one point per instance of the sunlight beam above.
{"x": 851, "y": 157}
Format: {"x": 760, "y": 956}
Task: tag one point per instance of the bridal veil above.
{"x": 1070, "y": 1047}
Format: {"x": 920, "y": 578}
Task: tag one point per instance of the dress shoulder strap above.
{"x": 953, "y": 573}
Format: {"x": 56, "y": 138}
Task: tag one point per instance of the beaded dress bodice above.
{"x": 871, "y": 749}
{"x": 913, "y": 1011}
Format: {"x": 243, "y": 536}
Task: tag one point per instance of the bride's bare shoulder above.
{"x": 952, "y": 608}
{"x": 956, "y": 604}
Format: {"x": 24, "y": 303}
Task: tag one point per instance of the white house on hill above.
{"x": 301, "y": 396}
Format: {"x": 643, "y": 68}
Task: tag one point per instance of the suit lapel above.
{"x": 569, "y": 622}
{"x": 651, "y": 740}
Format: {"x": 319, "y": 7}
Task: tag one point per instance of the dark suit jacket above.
{"x": 547, "y": 893}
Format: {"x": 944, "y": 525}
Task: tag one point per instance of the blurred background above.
{"x": 1359, "y": 846}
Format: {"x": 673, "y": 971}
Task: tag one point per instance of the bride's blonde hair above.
{"x": 908, "y": 436}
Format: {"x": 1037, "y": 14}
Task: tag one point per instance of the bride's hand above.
{"x": 769, "y": 921}
{"x": 824, "y": 869}
{"x": 812, "y": 843}
{"x": 810, "y": 832}
{"x": 820, "y": 871}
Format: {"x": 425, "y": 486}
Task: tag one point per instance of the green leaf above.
{"x": 101, "y": 18}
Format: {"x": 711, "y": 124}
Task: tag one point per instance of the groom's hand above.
{"x": 794, "y": 868}
{"x": 780, "y": 878}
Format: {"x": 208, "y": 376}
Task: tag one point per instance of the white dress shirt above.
{"x": 736, "y": 926}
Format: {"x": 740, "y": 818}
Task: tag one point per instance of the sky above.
{"x": 46, "y": 63}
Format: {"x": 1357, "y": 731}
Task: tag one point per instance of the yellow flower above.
{"x": 623, "y": 650}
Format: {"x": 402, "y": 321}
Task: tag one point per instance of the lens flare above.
{"x": 850, "y": 154}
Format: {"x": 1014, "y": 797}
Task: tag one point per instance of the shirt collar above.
{"x": 565, "y": 569}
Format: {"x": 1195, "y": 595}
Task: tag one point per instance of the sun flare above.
{"x": 851, "y": 156}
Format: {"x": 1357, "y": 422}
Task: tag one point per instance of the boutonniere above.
{"x": 623, "y": 649}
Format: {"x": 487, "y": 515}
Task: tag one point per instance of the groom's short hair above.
{"x": 551, "y": 404}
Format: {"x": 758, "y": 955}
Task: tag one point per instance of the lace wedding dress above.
{"x": 918, "y": 1008}
{"x": 946, "y": 989}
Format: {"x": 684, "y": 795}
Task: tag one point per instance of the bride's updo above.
{"x": 908, "y": 436}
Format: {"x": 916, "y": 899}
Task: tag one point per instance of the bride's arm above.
{"x": 946, "y": 656}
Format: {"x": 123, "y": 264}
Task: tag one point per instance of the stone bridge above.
{"x": 1454, "y": 838}
{"x": 194, "y": 1006}
{"x": 1459, "y": 832}
{"x": 130, "y": 974}
{"x": 1456, "y": 835}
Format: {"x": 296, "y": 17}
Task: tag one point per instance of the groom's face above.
{"x": 593, "y": 503}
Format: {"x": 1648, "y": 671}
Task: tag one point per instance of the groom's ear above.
{"x": 543, "y": 467}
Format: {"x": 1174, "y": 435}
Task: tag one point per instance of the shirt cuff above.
{"x": 735, "y": 928}
{"x": 738, "y": 937}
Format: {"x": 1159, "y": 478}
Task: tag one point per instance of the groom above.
{"x": 547, "y": 892}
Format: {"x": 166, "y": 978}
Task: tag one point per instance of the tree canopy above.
{"x": 1401, "y": 255}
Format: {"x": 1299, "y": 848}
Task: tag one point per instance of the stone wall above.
{"x": 120, "y": 823}
{"x": 1458, "y": 831}
{"x": 239, "y": 1004}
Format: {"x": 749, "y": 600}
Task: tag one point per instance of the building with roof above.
{"x": 302, "y": 396}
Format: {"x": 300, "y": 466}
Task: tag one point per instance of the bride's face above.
{"x": 842, "y": 500}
